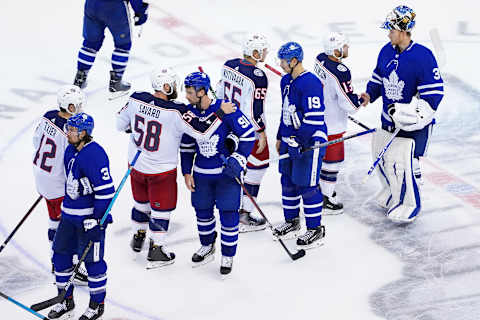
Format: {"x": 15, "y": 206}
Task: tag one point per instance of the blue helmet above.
{"x": 198, "y": 80}
{"x": 401, "y": 18}
{"x": 290, "y": 50}
{"x": 81, "y": 121}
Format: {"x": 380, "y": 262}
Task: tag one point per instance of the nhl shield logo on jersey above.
{"x": 258, "y": 72}
{"x": 341, "y": 68}
{"x": 208, "y": 147}
{"x": 393, "y": 86}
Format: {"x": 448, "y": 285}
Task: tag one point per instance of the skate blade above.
{"x": 158, "y": 264}
{"x": 117, "y": 94}
{"x": 328, "y": 212}
{"x": 204, "y": 262}
{"x": 314, "y": 245}
{"x": 225, "y": 276}
{"x": 288, "y": 236}
{"x": 68, "y": 315}
{"x": 245, "y": 228}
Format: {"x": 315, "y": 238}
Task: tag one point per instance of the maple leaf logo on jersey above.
{"x": 393, "y": 86}
{"x": 208, "y": 147}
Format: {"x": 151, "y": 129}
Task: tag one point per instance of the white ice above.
{"x": 368, "y": 268}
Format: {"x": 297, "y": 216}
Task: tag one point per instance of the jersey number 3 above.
{"x": 149, "y": 135}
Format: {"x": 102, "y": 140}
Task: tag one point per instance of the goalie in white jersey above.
{"x": 339, "y": 102}
{"x": 157, "y": 124}
{"x": 243, "y": 83}
{"x": 50, "y": 142}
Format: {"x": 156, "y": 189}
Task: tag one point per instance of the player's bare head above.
{"x": 290, "y": 55}
{"x": 256, "y": 47}
{"x": 400, "y": 22}
{"x": 165, "y": 81}
{"x": 70, "y": 99}
{"x": 196, "y": 87}
{"x": 79, "y": 129}
{"x": 336, "y": 44}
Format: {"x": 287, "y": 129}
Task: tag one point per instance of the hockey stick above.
{"x": 322, "y": 145}
{"x": 38, "y": 315}
{"x": 380, "y": 155}
{"x": 438, "y": 47}
{"x": 59, "y": 298}
{"x": 294, "y": 256}
{"x": 20, "y": 223}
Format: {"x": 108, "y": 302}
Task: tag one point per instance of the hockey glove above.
{"x": 411, "y": 116}
{"x": 231, "y": 143}
{"x": 76, "y": 189}
{"x": 235, "y": 165}
{"x": 142, "y": 15}
{"x": 294, "y": 149}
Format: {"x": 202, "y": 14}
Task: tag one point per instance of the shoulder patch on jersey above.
{"x": 341, "y": 68}
{"x": 258, "y": 72}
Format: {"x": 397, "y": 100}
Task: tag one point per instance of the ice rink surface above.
{"x": 368, "y": 268}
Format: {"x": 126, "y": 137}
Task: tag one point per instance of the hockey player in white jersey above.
{"x": 157, "y": 124}
{"x": 50, "y": 142}
{"x": 408, "y": 79}
{"x": 339, "y": 102}
{"x": 243, "y": 83}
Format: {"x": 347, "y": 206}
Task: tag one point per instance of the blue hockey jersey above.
{"x": 209, "y": 151}
{"x": 302, "y": 109}
{"x": 90, "y": 162}
{"x": 398, "y": 76}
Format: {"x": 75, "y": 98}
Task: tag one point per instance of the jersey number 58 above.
{"x": 148, "y": 134}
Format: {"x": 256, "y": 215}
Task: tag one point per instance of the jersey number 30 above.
{"x": 149, "y": 135}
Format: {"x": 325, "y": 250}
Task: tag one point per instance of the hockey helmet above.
{"x": 289, "y": 51}
{"x": 81, "y": 121}
{"x": 198, "y": 80}
{"x": 162, "y": 76}
{"x": 335, "y": 41}
{"x": 255, "y": 41}
{"x": 68, "y": 95}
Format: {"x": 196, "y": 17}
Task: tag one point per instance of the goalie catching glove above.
{"x": 412, "y": 116}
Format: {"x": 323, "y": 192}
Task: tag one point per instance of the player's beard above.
{"x": 173, "y": 95}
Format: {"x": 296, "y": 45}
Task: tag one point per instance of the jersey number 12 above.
{"x": 46, "y": 154}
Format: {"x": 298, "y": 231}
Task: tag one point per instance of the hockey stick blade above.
{"x": 47, "y": 303}
{"x": 299, "y": 254}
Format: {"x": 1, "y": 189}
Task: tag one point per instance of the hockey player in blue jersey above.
{"x": 408, "y": 79}
{"x": 214, "y": 172}
{"x": 114, "y": 15}
{"x": 89, "y": 190}
{"x": 302, "y": 126}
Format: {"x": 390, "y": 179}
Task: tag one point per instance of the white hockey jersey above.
{"x": 50, "y": 142}
{"x": 157, "y": 127}
{"x": 245, "y": 85}
{"x": 338, "y": 93}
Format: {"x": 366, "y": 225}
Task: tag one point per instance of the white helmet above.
{"x": 255, "y": 41}
{"x": 162, "y": 76}
{"x": 335, "y": 41}
{"x": 68, "y": 95}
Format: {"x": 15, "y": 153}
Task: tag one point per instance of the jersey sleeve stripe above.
{"x": 103, "y": 187}
{"x": 247, "y": 139}
{"x": 426, "y": 93}
{"x": 376, "y": 76}
{"x": 432, "y": 85}
{"x": 103, "y": 197}
{"x": 315, "y": 123}
{"x": 248, "y": 132}
{"x": 375, "y": 81}
{"x": 315, "y": 113}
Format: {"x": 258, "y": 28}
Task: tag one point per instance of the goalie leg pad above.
{"x": 383, "y": 196}
{"x": 398, "y": 163}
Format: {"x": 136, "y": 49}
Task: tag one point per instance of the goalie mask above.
{"x": 401, "y": 18}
